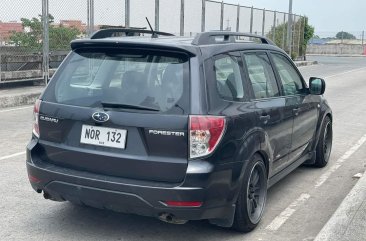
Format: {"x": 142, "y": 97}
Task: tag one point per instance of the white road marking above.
{"x": 12, "y": 155}
{"x": 339, "y": 162}
{"x": 20, "y": 108}
{"x": 287, "y": 213}
{"x": 291, "y": 209}
{"x": 347, "y": 72}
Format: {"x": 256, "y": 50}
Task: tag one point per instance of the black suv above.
{"x": 176, "y": 128}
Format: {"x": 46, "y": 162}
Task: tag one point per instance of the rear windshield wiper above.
{"x": 127, "y": 106}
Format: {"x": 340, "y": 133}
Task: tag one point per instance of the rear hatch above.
{"x": 118, "y": 112}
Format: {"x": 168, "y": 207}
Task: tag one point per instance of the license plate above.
{"x": 103, "y": 136}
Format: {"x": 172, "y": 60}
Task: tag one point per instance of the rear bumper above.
{"x": 215, "y": 186}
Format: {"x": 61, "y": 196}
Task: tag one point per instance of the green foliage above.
{"x": 345, "y": 35}
{"x": 60, "y": 37}
{"x": 307, "y": 32}
{"x": 280, "y": 33}
{"x": 31, "y": 39}
{"x": 294, "y": 55}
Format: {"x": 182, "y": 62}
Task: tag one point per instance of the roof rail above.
{"x": 114, "y": 32}
{"x": 207, "y": 38}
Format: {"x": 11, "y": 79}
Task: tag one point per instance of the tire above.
{"x": 252, "y": 197}
{"x": 324, "y": 146}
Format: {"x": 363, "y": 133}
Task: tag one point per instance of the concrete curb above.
{"x": 305, "y": 63}
{"x": 19, "y": 99}
{"x": 348, "y": 222}
{"x": 338, "y": 55}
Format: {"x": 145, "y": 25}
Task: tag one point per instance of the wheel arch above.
{"x": 257, "y": 142}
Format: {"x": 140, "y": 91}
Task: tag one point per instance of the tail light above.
{"x": 205, "y": 134}
{"x": 37, "y": 105}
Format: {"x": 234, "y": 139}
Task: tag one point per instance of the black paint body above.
{"x": 155, "y": 168}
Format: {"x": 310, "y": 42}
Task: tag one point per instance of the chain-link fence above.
{"x": 35, "y": 35}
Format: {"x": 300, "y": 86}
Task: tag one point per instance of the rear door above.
{"x": 121, "y": 113}
{"x": 272, "y": 114}
{"x": 304, "y": 106}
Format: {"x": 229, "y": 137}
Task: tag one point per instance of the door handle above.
{"x": 265, "y": 118}
{"x": 296, "y": 111}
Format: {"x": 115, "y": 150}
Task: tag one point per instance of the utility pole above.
{"x": 363, "y": 46}
{"x": 363, "y": 37}
{"x": 289, "y": 28}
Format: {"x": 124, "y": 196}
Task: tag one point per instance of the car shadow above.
{"x": 87, "y": 223}
{"x": 109, "y": 225}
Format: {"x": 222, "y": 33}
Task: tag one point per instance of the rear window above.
{"x": 123, "y": 79}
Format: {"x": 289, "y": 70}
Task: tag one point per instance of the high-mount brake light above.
{"x": 205, "y": 132}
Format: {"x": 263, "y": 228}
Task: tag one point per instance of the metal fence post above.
{"x": 283, "y": 32}
{"x": 127, "y": 13}
{"x": 91, "y": 16}
{"x": 222, "y": 16}
{"x": 203, "y": 17}
{"x": 274, "y": 26}
{"x": 264, "y": 21}
{"x": 289, "y": 29}
{"x": 157, "y": 15}
{"x": 90, "y": 27}
{"x": 1, "y": 44}
{"x": 88, "y": 18}
{"x": 251, "y": 20}
{"x": 238, "y": 18}
{"x": 45, "y": 41}
{"x": 299, "y": 36}
{"x": 181, "y": 17}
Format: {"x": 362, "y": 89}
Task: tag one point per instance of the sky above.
{"x": 324, "y": 15}
{"x": 327, "y": 16}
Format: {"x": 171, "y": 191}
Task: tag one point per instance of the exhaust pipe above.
{"x": 170, "y": 218}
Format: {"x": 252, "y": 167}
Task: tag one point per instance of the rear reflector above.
{"x": 183, "y": 204}
{"x": 205, "y": 134}
{"x": 33, "y": 179}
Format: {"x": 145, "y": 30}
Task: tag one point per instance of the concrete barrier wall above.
{"x": 336, "y": 49}
{"x": 24, "y": 75}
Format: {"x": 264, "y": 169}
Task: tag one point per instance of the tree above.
{"x": 31, "y": 39}
{"x": 345, "y": 35}
{"x": 308, "y": 34}
{"x": 305, "y": 35}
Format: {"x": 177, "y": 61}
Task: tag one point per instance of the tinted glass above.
{"x": 228, "y": 78}
{"x": 139, "y": 78}
{"x": 261, "y": 75}
{"x": 290, "y": 79}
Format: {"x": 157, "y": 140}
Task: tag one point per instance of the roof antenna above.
{"x": 154, "y": 35}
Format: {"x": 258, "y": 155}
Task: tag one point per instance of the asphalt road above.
{"x": 297, "y": 207}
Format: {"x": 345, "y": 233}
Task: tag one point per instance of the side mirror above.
{"x": 316, "y": 86}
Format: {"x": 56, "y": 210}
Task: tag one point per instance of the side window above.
{"x": 261, "y": 75}
{"x": 228, "y": 78}
{"x": 290, "y": 79}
